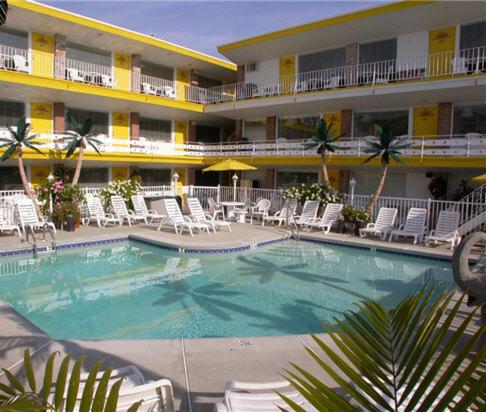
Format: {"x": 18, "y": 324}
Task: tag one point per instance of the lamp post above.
{"x": 175, "y": 178}
{"x": 50, "y": 178}
{"x": 352, "y": 186}
{"x": 235, "y": 180}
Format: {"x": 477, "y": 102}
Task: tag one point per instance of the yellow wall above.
{"x": 335, "y": 119}
{"x": 425, "y": 121}
{"x": 119, "y": 173}
{"x": 121, "y": 125}
{"x": 123, "y": 65}
{"x": 441, "y": 41}
{"x": 182, "y": 80}
{"x": 287, "y": 74}
{"x": 182, "y": 180}
{"x": 41, "y": 117}
{"x": 180, "y": 135}
{"x": 334, "y": 178}
{"x": 39, "y": 174}
{"x": 42, "y": 55}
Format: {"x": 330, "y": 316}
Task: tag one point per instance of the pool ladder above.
{"x": 35, "y": 250}
{"x": 292, "y": 228}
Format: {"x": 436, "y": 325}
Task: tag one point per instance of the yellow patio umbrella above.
{"x": 480, "y": 178}
{"x": 229, "y": 165}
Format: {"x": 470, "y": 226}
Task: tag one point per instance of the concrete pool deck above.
{"x": 197, "y": 368}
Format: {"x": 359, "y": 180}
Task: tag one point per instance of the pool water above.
{"x": 132, "y": 290}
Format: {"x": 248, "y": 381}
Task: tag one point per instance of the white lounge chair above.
{"x": 28, "y": 217}
{"x": 75, "y": 74}
{"x": 120, "y": 208}
{"x": 308, "y": 214}
{"x": 383, "y": 225}
{"x": 107, "y": 81}
{"x": 328, "y": 219}
{"x": 446, "y": 229}
{"x": 215, "y": 209}
{"x": 140, "y": 208}
{"x": 285, "y": 214}
{"x": 97, "y": 213}
{"x": 260, "y": 210}
{"x": 414, "y": 225}
{"x": 245, "y": 397}
{"x": 200, "y": 216}
{"x": 178, "y": 221}
{"x": 8, "y": 227}
{"x": 20, "y": 63}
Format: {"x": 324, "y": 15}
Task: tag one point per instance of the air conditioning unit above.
{"x": 251, "y": 67}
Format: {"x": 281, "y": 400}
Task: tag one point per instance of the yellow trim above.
{"x": 118, "y": 31}
{"x": 58, "y": 84}
{"x": 344, "y": 18}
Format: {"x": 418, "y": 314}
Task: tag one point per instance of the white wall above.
{"x": 412, "y": 45}
{"x": 417, "y": 185}
{"x": 266, "y": 70}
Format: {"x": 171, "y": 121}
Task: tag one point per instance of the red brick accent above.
{"x": 58, "y": 110}
{"x": 134, "y": 126}
{"x": 136, "y": 72}
{"x": 238, "y": 129}
{"x": 240, "y": 73}
{"x": 346, "y": 123}
{"x": 352, "y": 60}
{"x": 60, "y": 53}
{"x": 344, "y": 181}
{"x": 191, "y": 176}
{"x": 191, "y": 132}
{"x": 271, "y": 128}
{"x": 269, "y": 178}
{"x": 445, "y": 119}
{"x": 193, "y": 77}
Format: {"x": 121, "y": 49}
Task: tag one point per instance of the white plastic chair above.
{"x": 75, "y": 74}
{"x": 200, "y": 216}
{"x": 8, "y": 227}
{"x": 215, "y": 209}
{"x": 140, "y": 208}
{"x": 328, "y": 219}
{"x": 383, "y": 225}
{"x": 29, "y": 219}
{"x": 97, "y": 213}
{"x": 107, "y": 81}
{"x": 20, "y": 63}
{"x": 147, "y": 88}
{"x": 260, "y": 210}
{"x": 414, "y": 225}
{"x": 120, "y": 208}
{"x": 178, "y": 221}
{"x": 308, "y": 214}
{"x": 169, "y": 92}
{"x": 283, "y": 215}
{"x": 446, "y": 229}
{"x": 246, "y": 396}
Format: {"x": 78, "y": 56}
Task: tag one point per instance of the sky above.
{"x": 203, "y": 25}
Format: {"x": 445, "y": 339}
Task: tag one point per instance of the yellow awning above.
{"x": 480, "y": 178}
{"x": 227, "y": 165}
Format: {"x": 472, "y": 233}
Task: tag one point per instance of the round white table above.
{"x": 230, "y": 208}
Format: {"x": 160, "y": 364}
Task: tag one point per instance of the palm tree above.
{"x": 387, "y": 147}
{"x": 78, "y": 139}
{"x": 15, "y": 143}
{"x": 323, "y": 139}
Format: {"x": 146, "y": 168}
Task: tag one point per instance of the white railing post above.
{"x": 218, "y": 194}
{"x": 429, "y": 204}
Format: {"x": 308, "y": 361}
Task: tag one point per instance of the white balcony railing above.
{"x": 84, "y": 72}
{"x": 12, "y": 58}
{"x": 469, "y": 61}
{"x": 158, "y": 87}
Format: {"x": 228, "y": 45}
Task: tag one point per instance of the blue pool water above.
{"x": 135, "y": 291}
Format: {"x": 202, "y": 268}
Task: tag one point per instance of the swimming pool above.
{"x": 132, "y": 290}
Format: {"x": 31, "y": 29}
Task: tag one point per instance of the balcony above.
{"x": 15, "y": 59}
{"x": 434, "y": 66}
{"x": 158, "y": 87}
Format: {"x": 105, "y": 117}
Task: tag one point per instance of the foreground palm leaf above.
{"x": 60, "y": 392}
{"x": 403, "y": 359}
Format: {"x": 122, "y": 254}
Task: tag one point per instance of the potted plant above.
{"x": 355, "y": 219}
{"x": 65, "y": 215}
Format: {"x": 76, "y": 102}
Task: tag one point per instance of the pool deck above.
{"x": 197, "y": 368}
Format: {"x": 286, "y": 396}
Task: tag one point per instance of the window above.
{"x": 364, "y": 122}
{"x": 100, "y": 119}
{"x": 378, "y": 51}
{"x": 94, "y": 177}
{"x": 469, "y": 119}
{"x": 206, "y": 82}
{"x": 156, "y": 70}
{"x": 322, "y": 60}
{"x": 11, "y": 112}
{"x": 156, "y": 129}
{"x": 88, "y": 54}
{"x": 285, "y": 179}
{"x": 255, "y": 130}
{"x": 13, "y": 38}
{"x": 298, "y": 127}
{"x": 473, "y": 35}
{"x": 207, "y": 134}
{"x": 155, "y": 177}
{"x": 10, "y": 178}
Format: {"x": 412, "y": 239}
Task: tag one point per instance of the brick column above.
{"x": 136, "y": 72}
{"x": 445, "y": 119}
{"x": 351, "y": 60}
{"x": 191, "y": 132}
{"x": 346, "y": 123}
{"x": 58, "y": 110}
{"x": 60, "y": 56}
{"x": 240, "y": 73}
{"x": 271, "y": 128}
{"x": 269, "y": 178}
{"x": 191, "y": 176}
{"x": 344, "y": 181}
{"x": 193, "y": 77}
{"x": 238, "y": 129}
{"x": 134, "y": 126}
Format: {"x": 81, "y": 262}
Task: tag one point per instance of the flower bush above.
{"x": 124, "y": 188}
{"x": 56, "y": 191}
{"x": 323, "y": 193}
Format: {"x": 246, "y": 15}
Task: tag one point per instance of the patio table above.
{"x": 230, "y": 208}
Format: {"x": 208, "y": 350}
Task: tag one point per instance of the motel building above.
{"x": 159, "y": 108}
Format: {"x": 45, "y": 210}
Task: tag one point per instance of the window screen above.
{"x": 94, "y": 176}
{"x": 156, "y": 129}
{"x": 10, "y": 178}
{"x": 322, "y": 60}
{"x": 473, "y": 35}
{"x": 207, "y": 134}
{"x": 155, "y": 177}
{"x": 88, "y": 54}
{"x": 378, "y": 51}
{"x": 100, "y": 119}
{"x": 255, "y": 130}
{"x": 13, "y": 38}
{"x": 206, "y": 82}
{"x": 285, "y": 179}
{"x": 11, "y": 112}
{"x": 364, "y": 122}
{"x": 157, "y": 70}
{"x": 469, "y": 119}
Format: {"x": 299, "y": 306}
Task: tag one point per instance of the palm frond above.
{"x": 94, "y": 147}
{"x": 35, "y": 149}
{"x": 371, "y": 157}
{"x": 8, "y": 153}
